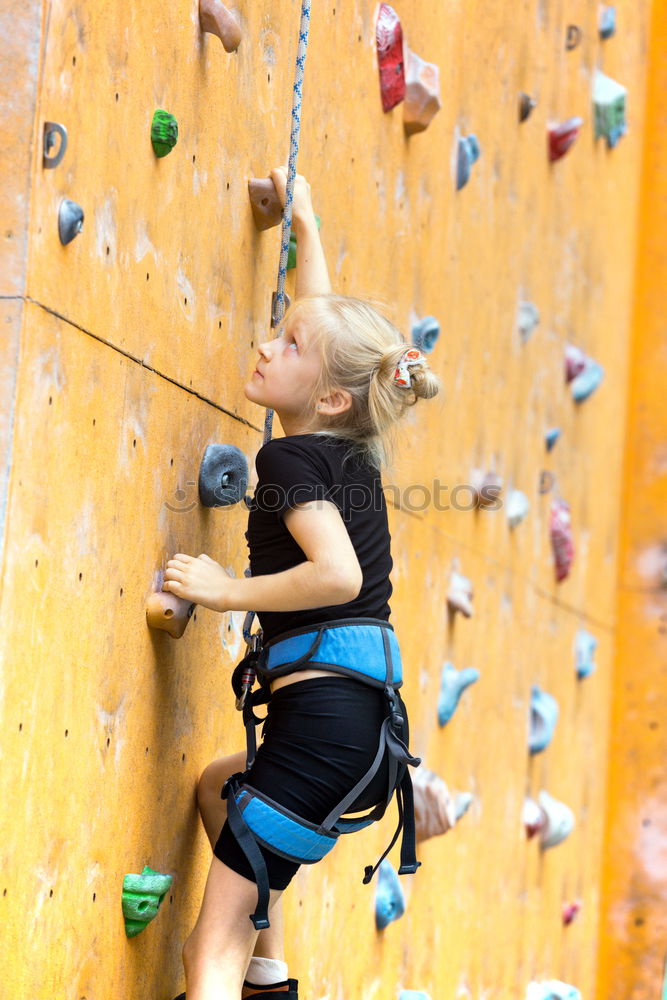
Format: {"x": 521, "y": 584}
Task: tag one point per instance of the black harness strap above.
{"x": 248, "y": 845}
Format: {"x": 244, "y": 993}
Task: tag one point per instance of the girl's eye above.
{"x": 293, "y": 343}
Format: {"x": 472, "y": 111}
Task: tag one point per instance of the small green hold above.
{"x": 142, "y": 895}
{"x": 164, "y": 132}
{"x": 291, "y": 256}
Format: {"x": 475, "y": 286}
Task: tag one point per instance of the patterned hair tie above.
{"x": 410, "y": 357}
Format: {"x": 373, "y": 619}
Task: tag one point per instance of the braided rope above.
{"x": 297, "y": 97}
{"x": 279, "y": 300}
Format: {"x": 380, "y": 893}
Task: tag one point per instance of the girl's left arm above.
{"x": 330, "y": 575}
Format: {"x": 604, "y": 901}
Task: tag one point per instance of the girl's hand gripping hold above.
{"x": 198, "y": 579}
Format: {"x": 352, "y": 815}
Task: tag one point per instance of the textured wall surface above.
{"x": 127, "y": 357}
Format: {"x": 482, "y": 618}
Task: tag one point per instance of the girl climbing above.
{"x": 335, "y": 737}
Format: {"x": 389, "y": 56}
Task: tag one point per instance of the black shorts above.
{"x": 320, "y": 737}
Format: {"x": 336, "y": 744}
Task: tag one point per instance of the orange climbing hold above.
{"x": 422, "y": 93}
{"x": 215, "y": 18}
{"x": 267, "y": 210}
{"x": 167, "y": 612}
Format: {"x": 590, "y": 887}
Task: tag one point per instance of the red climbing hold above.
{"x": 389, "y": 41}
{"x": 562, "y": 136}
{"x": 561, "y": 538}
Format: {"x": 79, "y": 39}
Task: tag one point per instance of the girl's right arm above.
{"x": 312, "y": 276}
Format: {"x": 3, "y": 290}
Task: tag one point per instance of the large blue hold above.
{"x": 389, "y": 898}
{"x": 425, "y": 334}
{"x": 453, "y": 683}
{"x": 413, "y": 995}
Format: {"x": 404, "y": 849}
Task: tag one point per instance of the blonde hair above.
{"x": 360, "y": 350}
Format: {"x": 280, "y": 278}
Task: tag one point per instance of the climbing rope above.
{"x": 278, "y": 307}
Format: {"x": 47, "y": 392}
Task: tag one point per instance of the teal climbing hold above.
{"x": 585, "y": 645}
{"x": 425, "y": 334}
{"x": 607, "y": 22}
{"x": 389, "y": 898}
{"x": 164, "y": 132}
{"x": 142, "y": 895}
{"x": 453, "y": 683}
{"x": 543, "y": 718}
{"x": 551, "y": 437}
{"x": 413, "y": 995}
{"x": 468, "y": 153}
{"x": 291, "y": 255}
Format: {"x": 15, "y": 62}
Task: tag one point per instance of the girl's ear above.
{"x": 337, "y": 401}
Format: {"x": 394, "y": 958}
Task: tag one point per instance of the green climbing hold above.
{"x": 291, "y": 256}
{"x": 164, "y": 132}
{"x": 142, "y": 895}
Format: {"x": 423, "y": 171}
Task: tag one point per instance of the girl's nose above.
{"x": 264, "y": 350}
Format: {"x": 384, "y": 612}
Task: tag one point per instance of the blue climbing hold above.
{"x": 551, "y": 437}
{"x": 587, "y": 381}
{"x": 389, "y": 898}
{"x": 425, "y": 334}
{"x": 543, "y": 718}
{"x": 468, "y": 153}
{"x": 585, "y": 645}
{"x": 453, "y": 683}
{"x": 413, "y": 995}
{"x": 607, "y": 23}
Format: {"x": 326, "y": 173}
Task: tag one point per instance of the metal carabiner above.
{"x": 254, "y": 643}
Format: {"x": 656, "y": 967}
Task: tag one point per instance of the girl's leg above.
{"x": 217, "y": 952}
{"x": 213, "y": 811}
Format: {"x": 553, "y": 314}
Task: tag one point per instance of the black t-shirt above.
{"x": 306, "y": 467}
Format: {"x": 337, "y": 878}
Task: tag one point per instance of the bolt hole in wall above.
{"x": 50, "y": 400}
{"x": 80, "y": 576}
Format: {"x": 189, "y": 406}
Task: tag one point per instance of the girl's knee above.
{"x": 215, "y": 775}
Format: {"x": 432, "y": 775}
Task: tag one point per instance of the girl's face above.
{"x": 288, "y": 369}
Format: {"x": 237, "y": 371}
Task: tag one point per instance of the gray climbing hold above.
{"x": 527, "y": 319}
{"x": 527, "y": 104}
{"x": 223, "y": 476}
{"x": 517, "y": 506}
{"x": 51, "y": 130}
{"x": 70, "y": 220}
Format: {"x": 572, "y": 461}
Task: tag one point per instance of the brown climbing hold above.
{"x": 168, "y": 612}
{"x": 422, "y": 93}
{"x": 267, "y": 210}
{"x": 216, "y": 18}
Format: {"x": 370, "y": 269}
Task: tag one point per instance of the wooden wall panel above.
{"x": 136, "y": 341}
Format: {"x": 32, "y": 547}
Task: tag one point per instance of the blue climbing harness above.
{"x": 363, "y": 648}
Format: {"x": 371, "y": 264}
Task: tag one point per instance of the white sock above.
{"x": 266, "y": 971}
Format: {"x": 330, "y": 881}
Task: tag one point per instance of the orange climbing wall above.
{"x": 634, "y": 931}
{"x": 125, "y": 357}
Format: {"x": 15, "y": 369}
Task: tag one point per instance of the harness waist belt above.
{"x": 366, "y": 646}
